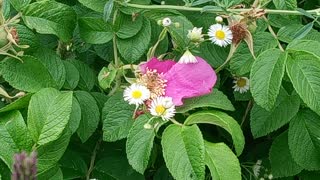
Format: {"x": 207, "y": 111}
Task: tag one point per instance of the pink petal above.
{"x": 155, "y": 64}
{"x": 189, "y": 80}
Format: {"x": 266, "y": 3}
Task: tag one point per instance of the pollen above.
{"x": 160, "y": 109}
{"x": 136, "y": 94}
{"x": 241, "y": 82}
{"x": 154, "y": 82}
{"x": 220, "y": 35}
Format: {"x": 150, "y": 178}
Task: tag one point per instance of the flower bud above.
{"x": 3, "y": 37}
{"x": 219, "y": 19}
{"x": 24, "y": 166}
{"x": 166, "y": 22}
{"x": 163, "y": 2}
{"x": 195, "y": 35}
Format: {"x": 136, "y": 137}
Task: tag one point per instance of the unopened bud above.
{"x": 219, "y": 19}
{"x": 163, "y": 2}
{"x": 166, "y": 22}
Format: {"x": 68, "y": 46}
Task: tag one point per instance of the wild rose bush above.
{"x": 141, "y": 89}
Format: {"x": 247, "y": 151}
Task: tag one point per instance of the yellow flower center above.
{"x": 160, "y": 109}
{"x": 220, "y": 35}
{"x": 136, "y": 94}
{"x": 241, "y": 82}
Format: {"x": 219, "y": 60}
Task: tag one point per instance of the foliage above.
{"x": 65, "y": 66}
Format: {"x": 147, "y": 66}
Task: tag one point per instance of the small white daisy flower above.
{"x": 241, "y": 84}
{"x": 219, "y": 19}
{"x": 166, "y": 22}
{"x": 195, "y": 35}
{"x": 220, "y": 35}
{"x": 136, "y": 94}
{"x": 162, "y": 107}
{"x": 187, "y": 58}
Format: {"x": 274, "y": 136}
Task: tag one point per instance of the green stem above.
{"x": 273, "y": 33}
{"x": 175, "y": 122}
{"x": 93, "y": 158}
{"x": 196, "y": 9}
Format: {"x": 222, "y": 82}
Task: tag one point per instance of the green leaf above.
{"x": 263, "y": 122}
{"x": 19, "y": 4}
{"x": 90, "y": 115}
{"x": 128, "y": 27}
{"x": 213, "y": 54}
{"x": 216, "y": 99}
{"x": 20, "y": 103}
{"x": 54, "y": 173}
{"x": 223, "y": 120}
{"x": 139, "y": 144}
{"x": 49, "y": 154}
{"x": 54, "y": 65}
{"x": 18, "y": 131}
{"x": 108, "y": 10}
{"x": 131, "y": 49}
{"x": 72, "y": 76}
{"x": 87, "y": 75}
{"x": 95, "y": 30}
{"x": 266, "y": 77}
{"x": 184, "y": 151}
{"x": 8, "y": 147}
{"x": 303, "y": 31}
{"x": 282, "y": 163}
{"x": 117, "y": 118}
{"x": 27, "y": 37}
{"x": 106, "y": 77}
{"x": 37, "y": 110}
{"x": 50, "y": 17}
{"x": 47, "y": 120}
{"x": 309, "y": 46}
{"x": 23, "y": 76}
{"x": 288, "y": 4}
{"x": 286, "y": 33}
{"x": 304, "y": 71}
{"x": 115, "y": 167}
{"x": 73, "y": 165}
{"x": 242, "y": 60}
{"x": 304, "y": 12}
{"x": 304, "y": 142}
{"x": 221, "y": 161}
{"x": 96, "y": 5}
{"x": 75, "y": 116}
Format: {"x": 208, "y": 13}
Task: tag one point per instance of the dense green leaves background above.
{"x": 82, "y": 54}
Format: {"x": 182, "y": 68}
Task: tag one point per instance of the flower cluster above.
{"x": 162, "y": 85}
{"x": 25, "y": 167}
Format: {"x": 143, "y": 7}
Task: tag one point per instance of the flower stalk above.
{"x": 196, "y": 9}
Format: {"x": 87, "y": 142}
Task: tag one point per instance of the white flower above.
{"x": 220, "y": 35}
{"x": 162, "y": 107}
{"x": 241, "y": 84}
{"x": 136, "y": 94}
{"x": 166, "y": 22}
{"x": 219, "y": 19}
{"x": 187, "y": 58}
{"x": 195, "y": 35}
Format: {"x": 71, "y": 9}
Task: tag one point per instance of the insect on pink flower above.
{"x": 182, "y": 80}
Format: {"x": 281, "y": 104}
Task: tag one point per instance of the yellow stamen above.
{"x": 220, "y": 35}
{"x": 160, "y": 109}
{"x": 241, "y": 82}
{"x": 136, "y": 94}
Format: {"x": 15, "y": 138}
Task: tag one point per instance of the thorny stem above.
{"x": 249, "y": 106}
{"x": 93, "y": 158}
{"x": 273, "y": 33}
{"x": 184, "y": 8}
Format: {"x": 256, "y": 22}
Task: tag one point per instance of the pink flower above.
{"x": 183, "y": 80}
